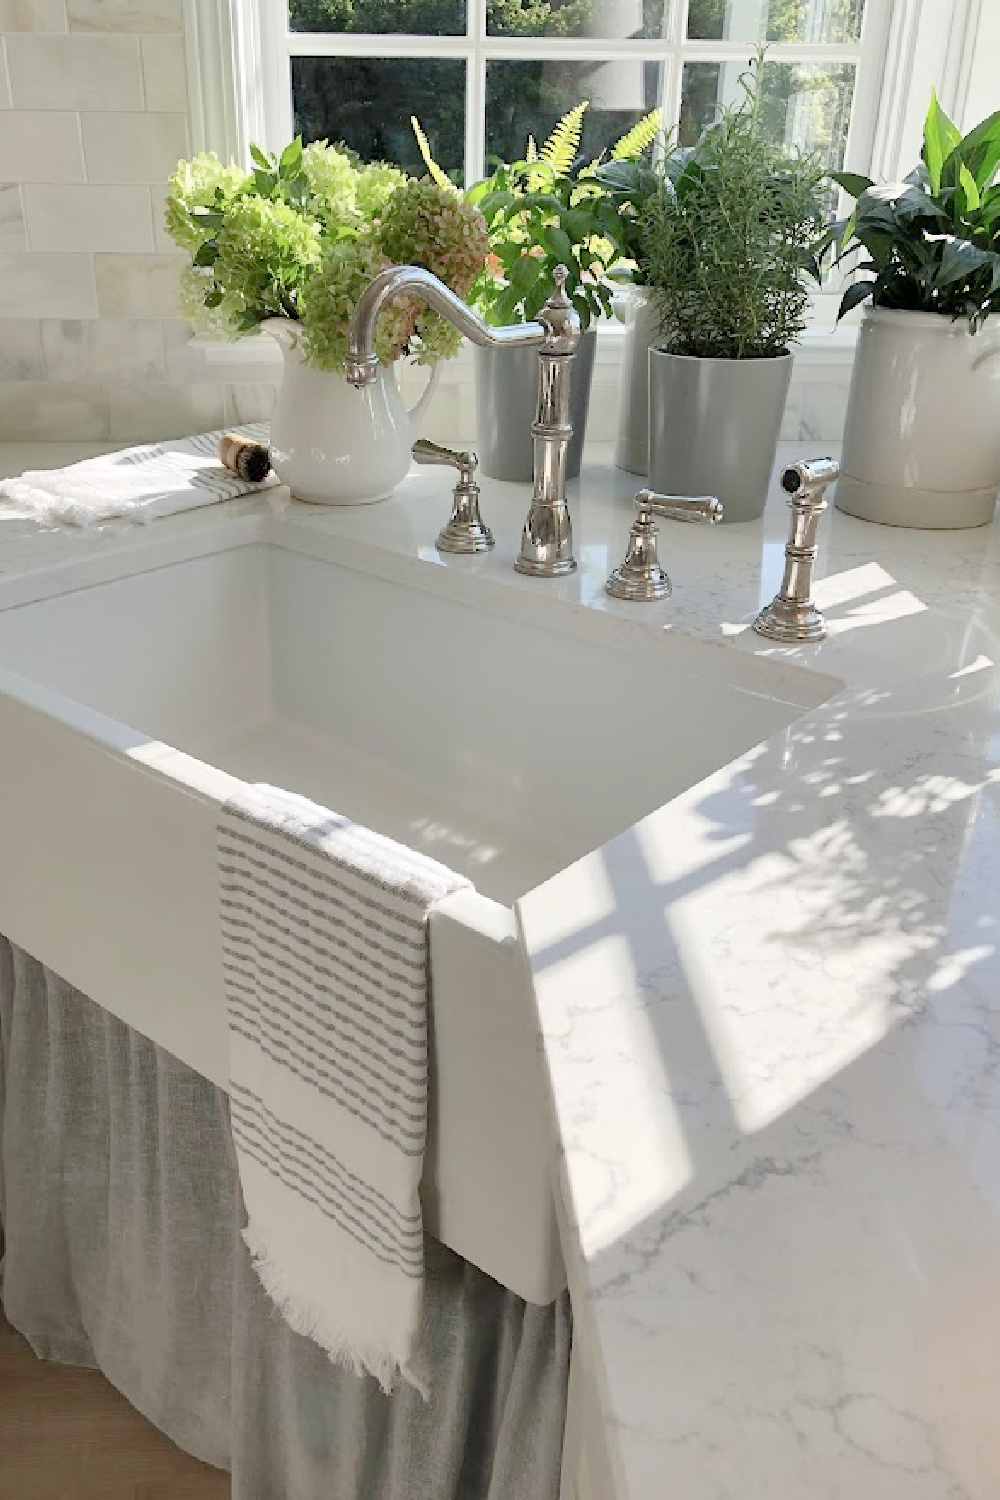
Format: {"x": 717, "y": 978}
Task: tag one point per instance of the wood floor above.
{"x": 68, "y": 1435}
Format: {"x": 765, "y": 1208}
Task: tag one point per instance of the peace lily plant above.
{"x": 927, "y": 260}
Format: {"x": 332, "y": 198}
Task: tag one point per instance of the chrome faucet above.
{"x": 547, "y": 539}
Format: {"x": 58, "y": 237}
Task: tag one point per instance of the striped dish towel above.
{"x": 324, "y": 937}
{"x": 141, "y": 484}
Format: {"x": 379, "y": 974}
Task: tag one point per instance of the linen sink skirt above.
{"x": 121, "y": 1209}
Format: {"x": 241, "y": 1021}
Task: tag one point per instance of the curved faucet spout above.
{"x": 362, "y": 362}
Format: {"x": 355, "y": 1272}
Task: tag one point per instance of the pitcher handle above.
{"x": 416, "y": 413}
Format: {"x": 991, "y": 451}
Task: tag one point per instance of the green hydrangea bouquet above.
{"x": 301, "y": 236}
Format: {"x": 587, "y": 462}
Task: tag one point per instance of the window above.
{"x": 483, "y": 75}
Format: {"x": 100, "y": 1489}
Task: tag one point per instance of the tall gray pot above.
{"x": 506, "y": 402}
{"x": 714, "y": 426}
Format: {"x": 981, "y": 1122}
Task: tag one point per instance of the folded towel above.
{"x": 324, "y": 937}
{"x": 143, "y": 484}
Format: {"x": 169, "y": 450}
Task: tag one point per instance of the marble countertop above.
{"x": 770, "y": 1012}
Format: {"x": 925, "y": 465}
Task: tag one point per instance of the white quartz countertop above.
{"x": 770, "y": 1012}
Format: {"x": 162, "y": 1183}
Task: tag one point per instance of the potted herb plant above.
{"x": 541, "y": 212}
{"x": 727, "y": 240}
{"x": 289, "y": 248}
{"x": 922, "y": 436}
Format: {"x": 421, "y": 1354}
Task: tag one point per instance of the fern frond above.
{"x": 635, "y": 141}
{"x": 437, "y": 175}
{"x": 559, "y": 151}
{"x": 531, "y": 150}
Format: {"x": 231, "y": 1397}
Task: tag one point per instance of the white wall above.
{"x": 93, "y": 118}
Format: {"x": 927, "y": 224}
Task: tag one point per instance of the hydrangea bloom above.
{"x": 301, "y": 238}
{"x": 194, "y": 185}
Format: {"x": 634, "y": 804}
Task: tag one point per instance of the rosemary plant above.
{"x": 729, "y": 235}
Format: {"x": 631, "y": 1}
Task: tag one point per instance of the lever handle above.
{"x": 426, "y": 452}
{"x": 679, "y": 507}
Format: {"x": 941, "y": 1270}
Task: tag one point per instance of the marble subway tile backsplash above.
{"x": 102, "y": 349}
{"x": 136, "y": 286}
{"x": 40, "y": 410}
{"x": 148, "y": 17}
{"x": 33, "y": 15}
{"x": 12, "y": 232}
{"x": 40, "y": 146}
{"x": 163, "y": 72}
{"x": 74, "y": 72}
{"x": 88, "y": 217}
{"x": 119, "y": 148}
{"x": 95, "y": 122}
{"x": 140, "y": 413}
{"x": 47, "y": 286}
{"x": 21, "y": 355}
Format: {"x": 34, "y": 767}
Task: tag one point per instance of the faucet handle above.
{"x": 640, "y": 576}
{"x": 678, "y": 507}
{"x": 426, "y": 452}
{"x": 465, "y": 531}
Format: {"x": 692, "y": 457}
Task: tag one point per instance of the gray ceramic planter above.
{"x": 506, "y": 402}
{"x": 714, "y": 426}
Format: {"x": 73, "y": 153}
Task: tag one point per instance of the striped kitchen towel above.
{"x": 325, "y": 954}
{"x": 140, "y": 484}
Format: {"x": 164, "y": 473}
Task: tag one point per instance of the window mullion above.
{"x": 673, "y": 68}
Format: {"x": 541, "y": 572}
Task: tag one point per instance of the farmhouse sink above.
{"x": 128, "y": 705}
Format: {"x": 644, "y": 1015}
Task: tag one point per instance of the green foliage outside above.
{"x": 728, "y": 237}
{"x": 933, "y": 241}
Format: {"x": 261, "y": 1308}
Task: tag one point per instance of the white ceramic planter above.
{"x": 922, "y": 436}
{"x": 331, "y": 443}
{"x": 633, "y": 308}
{"x": 714, "y": 426}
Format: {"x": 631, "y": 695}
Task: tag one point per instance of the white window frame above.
{"x": 239, "y": 81}
{"x": 257, "y": 65}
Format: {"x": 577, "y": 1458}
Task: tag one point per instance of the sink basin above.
{"x": 505, "y": 746}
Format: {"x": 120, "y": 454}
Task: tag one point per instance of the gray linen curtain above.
{"x": 121, "y": 1208}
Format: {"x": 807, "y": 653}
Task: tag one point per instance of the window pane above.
{"x": 367, "y": 102}
{"x": 402, "y": 17}
{"x": 597, "y": 18}
{"x": 776, "y": 20}
{"x": 804, "y": 104}
{"x": 527, "y": 98}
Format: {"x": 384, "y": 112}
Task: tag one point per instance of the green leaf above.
{"x": 578, "y": 224}
{"x": 558, "y": 243}
{"x": 265, "y": 162}
{"x": 855, "y": 294}
{"x": 213, "y": 298}
{"x": 969, "y": 187}
{"x": 941, "y": 136}
{"x": 979, "y": 151}
{"x": 437, "y": 175}
{"x": 206, "y": 254}
{"x": 291, "y": 158}
{"x": 852, "y": 182}
{"x": 960, "y": 260}
{"x": 525, "y": 271}
{"x": 562, "y": 145}
{"x": 265, "y": 182}
{"x": 635, "y": 141}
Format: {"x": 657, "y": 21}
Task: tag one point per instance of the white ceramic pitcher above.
{"x": 331, "y": 443}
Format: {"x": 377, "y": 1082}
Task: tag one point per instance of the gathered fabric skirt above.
{"x": 121, "y": 1212}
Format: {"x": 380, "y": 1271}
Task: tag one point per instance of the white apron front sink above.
{"x": 504, "y": 749}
